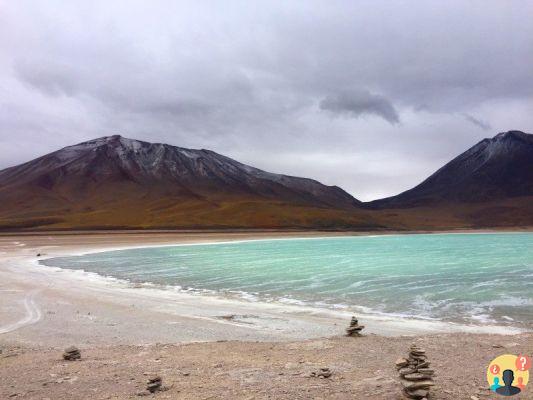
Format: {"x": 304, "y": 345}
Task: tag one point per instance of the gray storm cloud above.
{"x": 245, "y": 78}
{"x": 477, "y": 122}
{"x": 360, "y": 102}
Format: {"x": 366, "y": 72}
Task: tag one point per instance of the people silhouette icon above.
{"x": 508, "y": 389}
{"x": 520, "y": 383}
{"x": 496, "y": 384}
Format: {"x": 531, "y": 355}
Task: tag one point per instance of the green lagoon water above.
{"x": 468, "y": 278}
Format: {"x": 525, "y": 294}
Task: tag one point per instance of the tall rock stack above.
{"x": 354, "y": 329}
{"x": 415, "y": 374}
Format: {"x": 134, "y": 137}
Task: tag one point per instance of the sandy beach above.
{"x": 205, "y": 346}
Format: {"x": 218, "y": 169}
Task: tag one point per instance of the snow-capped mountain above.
{"x": 114, "y": 182}
{"x": 195, "y": 173}
{"x": 494, "y": 169}
{"x": 164, "y": 184}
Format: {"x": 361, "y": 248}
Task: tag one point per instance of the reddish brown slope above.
{"x": 118, "y": 182}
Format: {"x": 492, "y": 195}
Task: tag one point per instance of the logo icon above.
{"x": 508, "y": 374}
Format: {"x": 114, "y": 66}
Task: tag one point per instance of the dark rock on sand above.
{"x": 354, "y": 329}
{"x": 154, "y": 384}
{"x": 71, "y": 353}
{"x": 323, "y": 372}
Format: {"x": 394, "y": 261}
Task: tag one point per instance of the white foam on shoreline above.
{"x": 480, "y": 317}
{"x": 394, "y": 321}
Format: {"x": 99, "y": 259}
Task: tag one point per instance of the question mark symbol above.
{"x": 495, "y": 369}
{"x": 523, "y": 363}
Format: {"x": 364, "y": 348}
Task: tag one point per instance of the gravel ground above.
{"x": 363, "y": 368}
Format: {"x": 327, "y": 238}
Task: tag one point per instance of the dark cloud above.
{"x": 360, "y": 102}
{"x": 245, "y": 78}
{"x": 478, "y": 122}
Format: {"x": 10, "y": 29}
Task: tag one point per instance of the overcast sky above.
{"x": 372, "y": 96}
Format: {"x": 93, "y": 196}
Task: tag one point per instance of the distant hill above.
{"x": 489, "y": 185}
{"x": 118, "y": 182}
{"x": 494, "y": 169}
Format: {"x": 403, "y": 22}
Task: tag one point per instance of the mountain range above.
{"x": 114, "y": 182}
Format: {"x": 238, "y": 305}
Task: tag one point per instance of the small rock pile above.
{"x": 322, "y": 373}
{"x": 354, "y": 329}
{"x": 154, "y": 384}
{"x": 415, "y": 374}
{"x": 72, "y": 353}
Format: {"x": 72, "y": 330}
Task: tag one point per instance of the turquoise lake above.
{"x": 467, "y": 278}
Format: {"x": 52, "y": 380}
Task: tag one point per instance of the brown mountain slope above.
{"x": 113, "y": 182}
{"x": 116, "y": 182}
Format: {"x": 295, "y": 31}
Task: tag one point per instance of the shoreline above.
{"x": 250, "y": 231}
{"x": 393, "y": 324}
{"x": 242, "y": 320}
{"x": 203, "y": 348}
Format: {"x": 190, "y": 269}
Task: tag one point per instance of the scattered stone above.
{"x": 72, "y": 353}
{"x": 401, "y": 363}
{"x": 415, "y": 374}
{"x": 354, "y": 329}
{"x": 322, "y": 373}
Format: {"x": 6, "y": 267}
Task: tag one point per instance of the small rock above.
{"x": 418, "y": 385}
{"x": 154, "y": 384}
{"x": 72, "y": 353}
{"x": 415, "y": 377}
{"x": 401, "y": 362}
{"x": 322, "y": 373}
{"x": 417, "y": 394}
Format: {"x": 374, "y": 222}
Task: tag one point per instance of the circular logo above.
{"x": 508, "y": 374}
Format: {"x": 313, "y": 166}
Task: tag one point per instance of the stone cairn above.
{"x": 323, "y": 372}
{"x": 415, "y": 374}
{"x": 155, "y": 384}
{"x": 354, "y": 329}
{"x": 72, "y": 353}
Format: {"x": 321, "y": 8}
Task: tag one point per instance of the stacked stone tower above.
{"x": 354, "y": 329}
{"x": 415, "y": 374}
